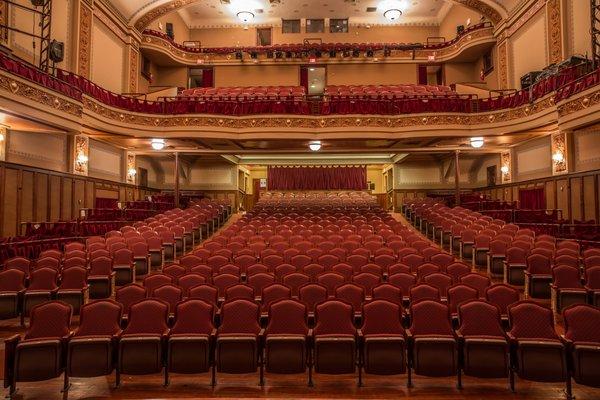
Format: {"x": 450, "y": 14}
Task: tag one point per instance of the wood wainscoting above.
{"x": 29, "y": 194}
{"x": 577, "y": 194}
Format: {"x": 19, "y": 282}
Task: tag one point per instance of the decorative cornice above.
{"x": 488, "y": 11}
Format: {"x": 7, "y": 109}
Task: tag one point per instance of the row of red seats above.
{"x": 250, "y": 92}
{"x": 192, "y": 343}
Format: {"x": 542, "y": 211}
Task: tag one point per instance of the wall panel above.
{"x": 66, "y": 200}
{"x": 576, "y": 187}
{"x": 78, "y": 197}
{"x": 55, "y": 196}
{"x": 26, "y": 204}
{"x": 9, "y": 202}
{"x": 41, "y": 197}
{"x": 589, "y": 197}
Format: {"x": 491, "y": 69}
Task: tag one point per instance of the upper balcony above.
{"x": 472, "y": 41}
{"x": 348, "y": 111}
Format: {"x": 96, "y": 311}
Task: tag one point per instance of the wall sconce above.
{"x": 505, "y": 161}
{"x": 3, "y": 131}
{"x": 559, "y": 153}
{"x": 81, "y": 159}
{"x": 131, "y": 170}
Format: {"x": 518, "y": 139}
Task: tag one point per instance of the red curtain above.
{"x": 317, "y": 178}
{"x": 207, "y": 77}
{"x": 532, "y": 199}
{"x": 422, "y": 75}
{"x": 304, "y": 77}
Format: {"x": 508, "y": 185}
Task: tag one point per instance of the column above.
{"x": 456, "y": 178}
{"x": 176, "y": 179}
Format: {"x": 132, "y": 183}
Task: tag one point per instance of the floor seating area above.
{"x": 94, "y": 267}
{"x": 547, "y": 268}
{"x": 314, "y": 284}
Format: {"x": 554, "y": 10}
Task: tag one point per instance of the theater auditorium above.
{"x": 310, "y": 199}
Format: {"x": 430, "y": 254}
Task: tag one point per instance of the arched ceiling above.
{"x": 202, "y": 13}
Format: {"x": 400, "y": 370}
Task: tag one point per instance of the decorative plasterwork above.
{"x": 3, "y": 21}
{"x": 516, "y": 25}
{"x": 34, "y": 93}
{"x": 328, "y": 122}
{"x": 488, "y": 11}
{"x": 81, "y": 155}
{"x": 553, "y": 18}
{"x": 85, "y": 41}
{"x": 188, "y": 57}
{"x": 560, "y": 159}
{"x": 133, "y": 69}
{"x": 579, "y": 104}
{"x": 506, "y": 166}
{"x": 159, "y": 11}
{"x": 111, "y": 25}
{"x": 503, "y": 64}
{"x": 130, "y": 171}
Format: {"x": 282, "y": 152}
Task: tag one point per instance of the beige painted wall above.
{"x": 38, "y": 150}
{"x": 215, "y": 37}
{"x": 108, "y": 58}
{"x": 169, "y": 76}
{"x": 105, "y": 161}
{"x": 528, "y": 50}
{"x": 461, "y": 73}
{"x": 371, "y": 73}
{"x": 256, "y": 75}
{"x": 458, "y": 15}
{"x": 577, "y": 28}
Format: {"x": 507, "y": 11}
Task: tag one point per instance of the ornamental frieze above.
{"x": 579, "y": 104}
{"x": 33, "y": 93}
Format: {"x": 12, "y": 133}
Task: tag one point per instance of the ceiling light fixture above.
{"x": 315, "y": 145}
{"x": 477, "y": 142}
{"x": 158, "y": 144}
{"x": 245, "y": 16}
{"x": 392, "y": 14}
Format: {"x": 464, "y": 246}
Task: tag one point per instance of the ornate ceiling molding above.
{"x": 143, "y": 19}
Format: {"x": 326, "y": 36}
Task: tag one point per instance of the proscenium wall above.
{"x": 219, "y": 37}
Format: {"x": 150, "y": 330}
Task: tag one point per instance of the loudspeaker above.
{"x": 56, "y": 51}
{"x": 529, "y": 79}
{"x": 460, "y": 29}
{"x": 37, "y": 3}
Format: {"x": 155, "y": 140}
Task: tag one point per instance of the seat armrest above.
{"x": 10, "y": 346}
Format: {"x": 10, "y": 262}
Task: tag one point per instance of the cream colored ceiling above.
{"x": 204, "y": 13}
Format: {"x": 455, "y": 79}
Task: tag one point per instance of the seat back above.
{"x": 148, "y": 317}
{"x": 193, "y": 316}
{"x": 479, "y": 318}
{"x": 287, "y": 317}
{"x": 530, "y": 320}
{"x": 382, "y": 317}
{"x": 239, "y": 316}
{"x": 430, "y": 318}
{"x": 100, "y": 318}
{"x": 50, "y": 320}
{"x": 334, "y": 317}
